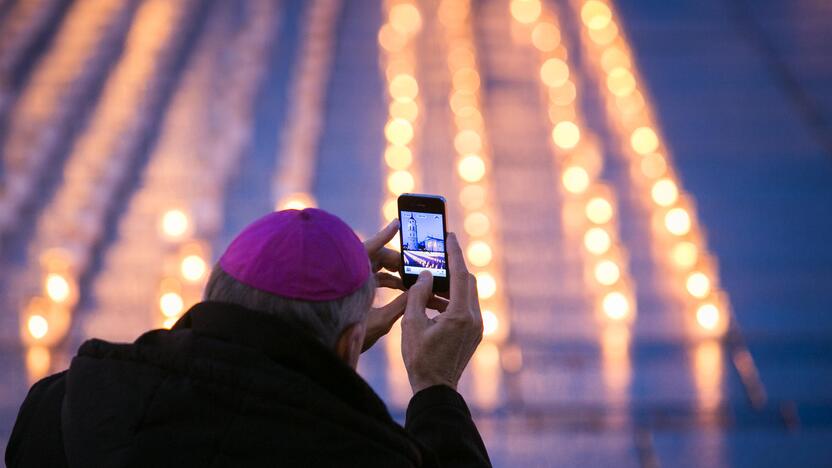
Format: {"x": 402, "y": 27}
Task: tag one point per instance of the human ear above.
{"x": 349, "y": 344}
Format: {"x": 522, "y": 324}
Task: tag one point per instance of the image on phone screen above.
{"x": 423, "y": 243}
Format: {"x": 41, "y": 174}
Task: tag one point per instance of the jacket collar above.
{"x": 286, "y": 344}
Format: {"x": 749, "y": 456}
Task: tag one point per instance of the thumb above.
{"x": 417, "y": 299}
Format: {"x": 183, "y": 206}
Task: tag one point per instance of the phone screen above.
{"x": 423, "y": 243}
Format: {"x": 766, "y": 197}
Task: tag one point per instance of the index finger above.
{"x": 382, "y": 237}
{"x": 459, "y": 272}
{"x": 389, "y": 259}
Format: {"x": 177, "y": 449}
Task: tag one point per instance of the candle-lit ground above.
{"x": 642, "y": 188}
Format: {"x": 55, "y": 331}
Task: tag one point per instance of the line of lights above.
{"x": 175, "y": 168}
{"x": 590, "y": 208}
{"x": 47, "y": 106}
{"x": 396, "y": 38}
{"x": 73, "y": 222}
{"x": 473, "y": 166}
{"x": 186, "y": 233}
{"x": 680, "y": 242}
{"x": 397, "y": 58}
{"x": 474, "y": 170}
{"x": 296, "y": 158}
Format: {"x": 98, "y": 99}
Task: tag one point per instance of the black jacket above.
{"x": 230, "y": 387}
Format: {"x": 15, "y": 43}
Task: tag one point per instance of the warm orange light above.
{"x": 468, "y": 117}
{"x": 452, "y": 13}
{"x": 407, "y": 110}
{"x": 546, "y": 37}
{"x": 615, "y": 305}
{"x": 38, "y": 362}
{"x": 463, "y": 103}
{"x": 471, "y": 168}
{"x": 175, "y": 223}
{"x": 554, "y": 72}
{"x": 390, "y": 209}
{"x": 479, "y": 253}
{"x": 605, "y": 35}
{"x": 490, "y": 323}
{"x": 171, "y": 304}
{"x": 644, "y": 140}
{"x": 620, "y": 82}
{"x": 664, "y": 192}
{"x": 653, "y": 165}
{"x": 684, "y": 254}
{"x": 461, "y": 56}
{"x": 398, "y": 64}
{"x": 630, "y": 104}
{"x": 677, "y": 221}
{"x": 38, "y": 326}
{"x": 596, "y": 14}
{"x": 607, "y": 272}
{"x": 400, "y": 182}
{"x": 472, "y": 197}
{"x": 405, "y": 18}
{"x": 477, "y": 224}
{"x": 597, "y": 241}
{"x": 566, "y": 134}
{"x": 57, "y": 287}
{"x": 562, "y": 96}
{"x": 614, "y": 57}
{"x": 404, "y": 88}
{"x": 486, "y": 285}
{"x": 525, "y": 11}
{"x": 599, "y": 210}
{"x": 467, "y": 141}
{"x": 193, "y": 268}
{"x": 575, "y": 179}
{"x": 390, "y": 39}
{"x": 398, "y": 157}
{"x": 708, "y": 316}
{"x": 698, "y": 284}
{"x": 296, "y": 201}
{"x": 466, "y": 79}
{"x": 398, "y": 132}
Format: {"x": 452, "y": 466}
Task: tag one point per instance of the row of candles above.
{"x": 398, "y": 52}
{"x": 590, "y": 206}
{"x": 473, "y": 166}
{"x": 188, "y": 232}
{"x": 678, "y": 238}
{"x": 175, "y": 191}
{"x": 72, "y": 224}
{"x": 297, "y": 156}
{"x": 46, "y": 108}
{"x": 474, "y": 170}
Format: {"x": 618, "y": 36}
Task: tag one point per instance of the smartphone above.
{"x": 422, "y": 233}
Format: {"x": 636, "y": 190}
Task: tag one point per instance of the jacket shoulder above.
{"x": 36, "y": 438}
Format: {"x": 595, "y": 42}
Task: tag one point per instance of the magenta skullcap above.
{"x": 309, "y": 255}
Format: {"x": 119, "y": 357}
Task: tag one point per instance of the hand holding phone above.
{"x": 436, "y": 351}
{"x": 422, "y": 234}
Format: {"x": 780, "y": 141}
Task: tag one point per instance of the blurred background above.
{"x": 641, "y": 186}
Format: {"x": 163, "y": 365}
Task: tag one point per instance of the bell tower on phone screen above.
{"x": 412, "y": 241}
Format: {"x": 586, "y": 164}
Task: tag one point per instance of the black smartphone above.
{"x": 422, "y": 233}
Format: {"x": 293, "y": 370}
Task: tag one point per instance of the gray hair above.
{"x": 325, "y": 320}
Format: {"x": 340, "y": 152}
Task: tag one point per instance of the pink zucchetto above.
{"x": 308, "y": 255}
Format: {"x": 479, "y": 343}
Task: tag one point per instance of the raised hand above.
{"x": 436, "y": 351}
